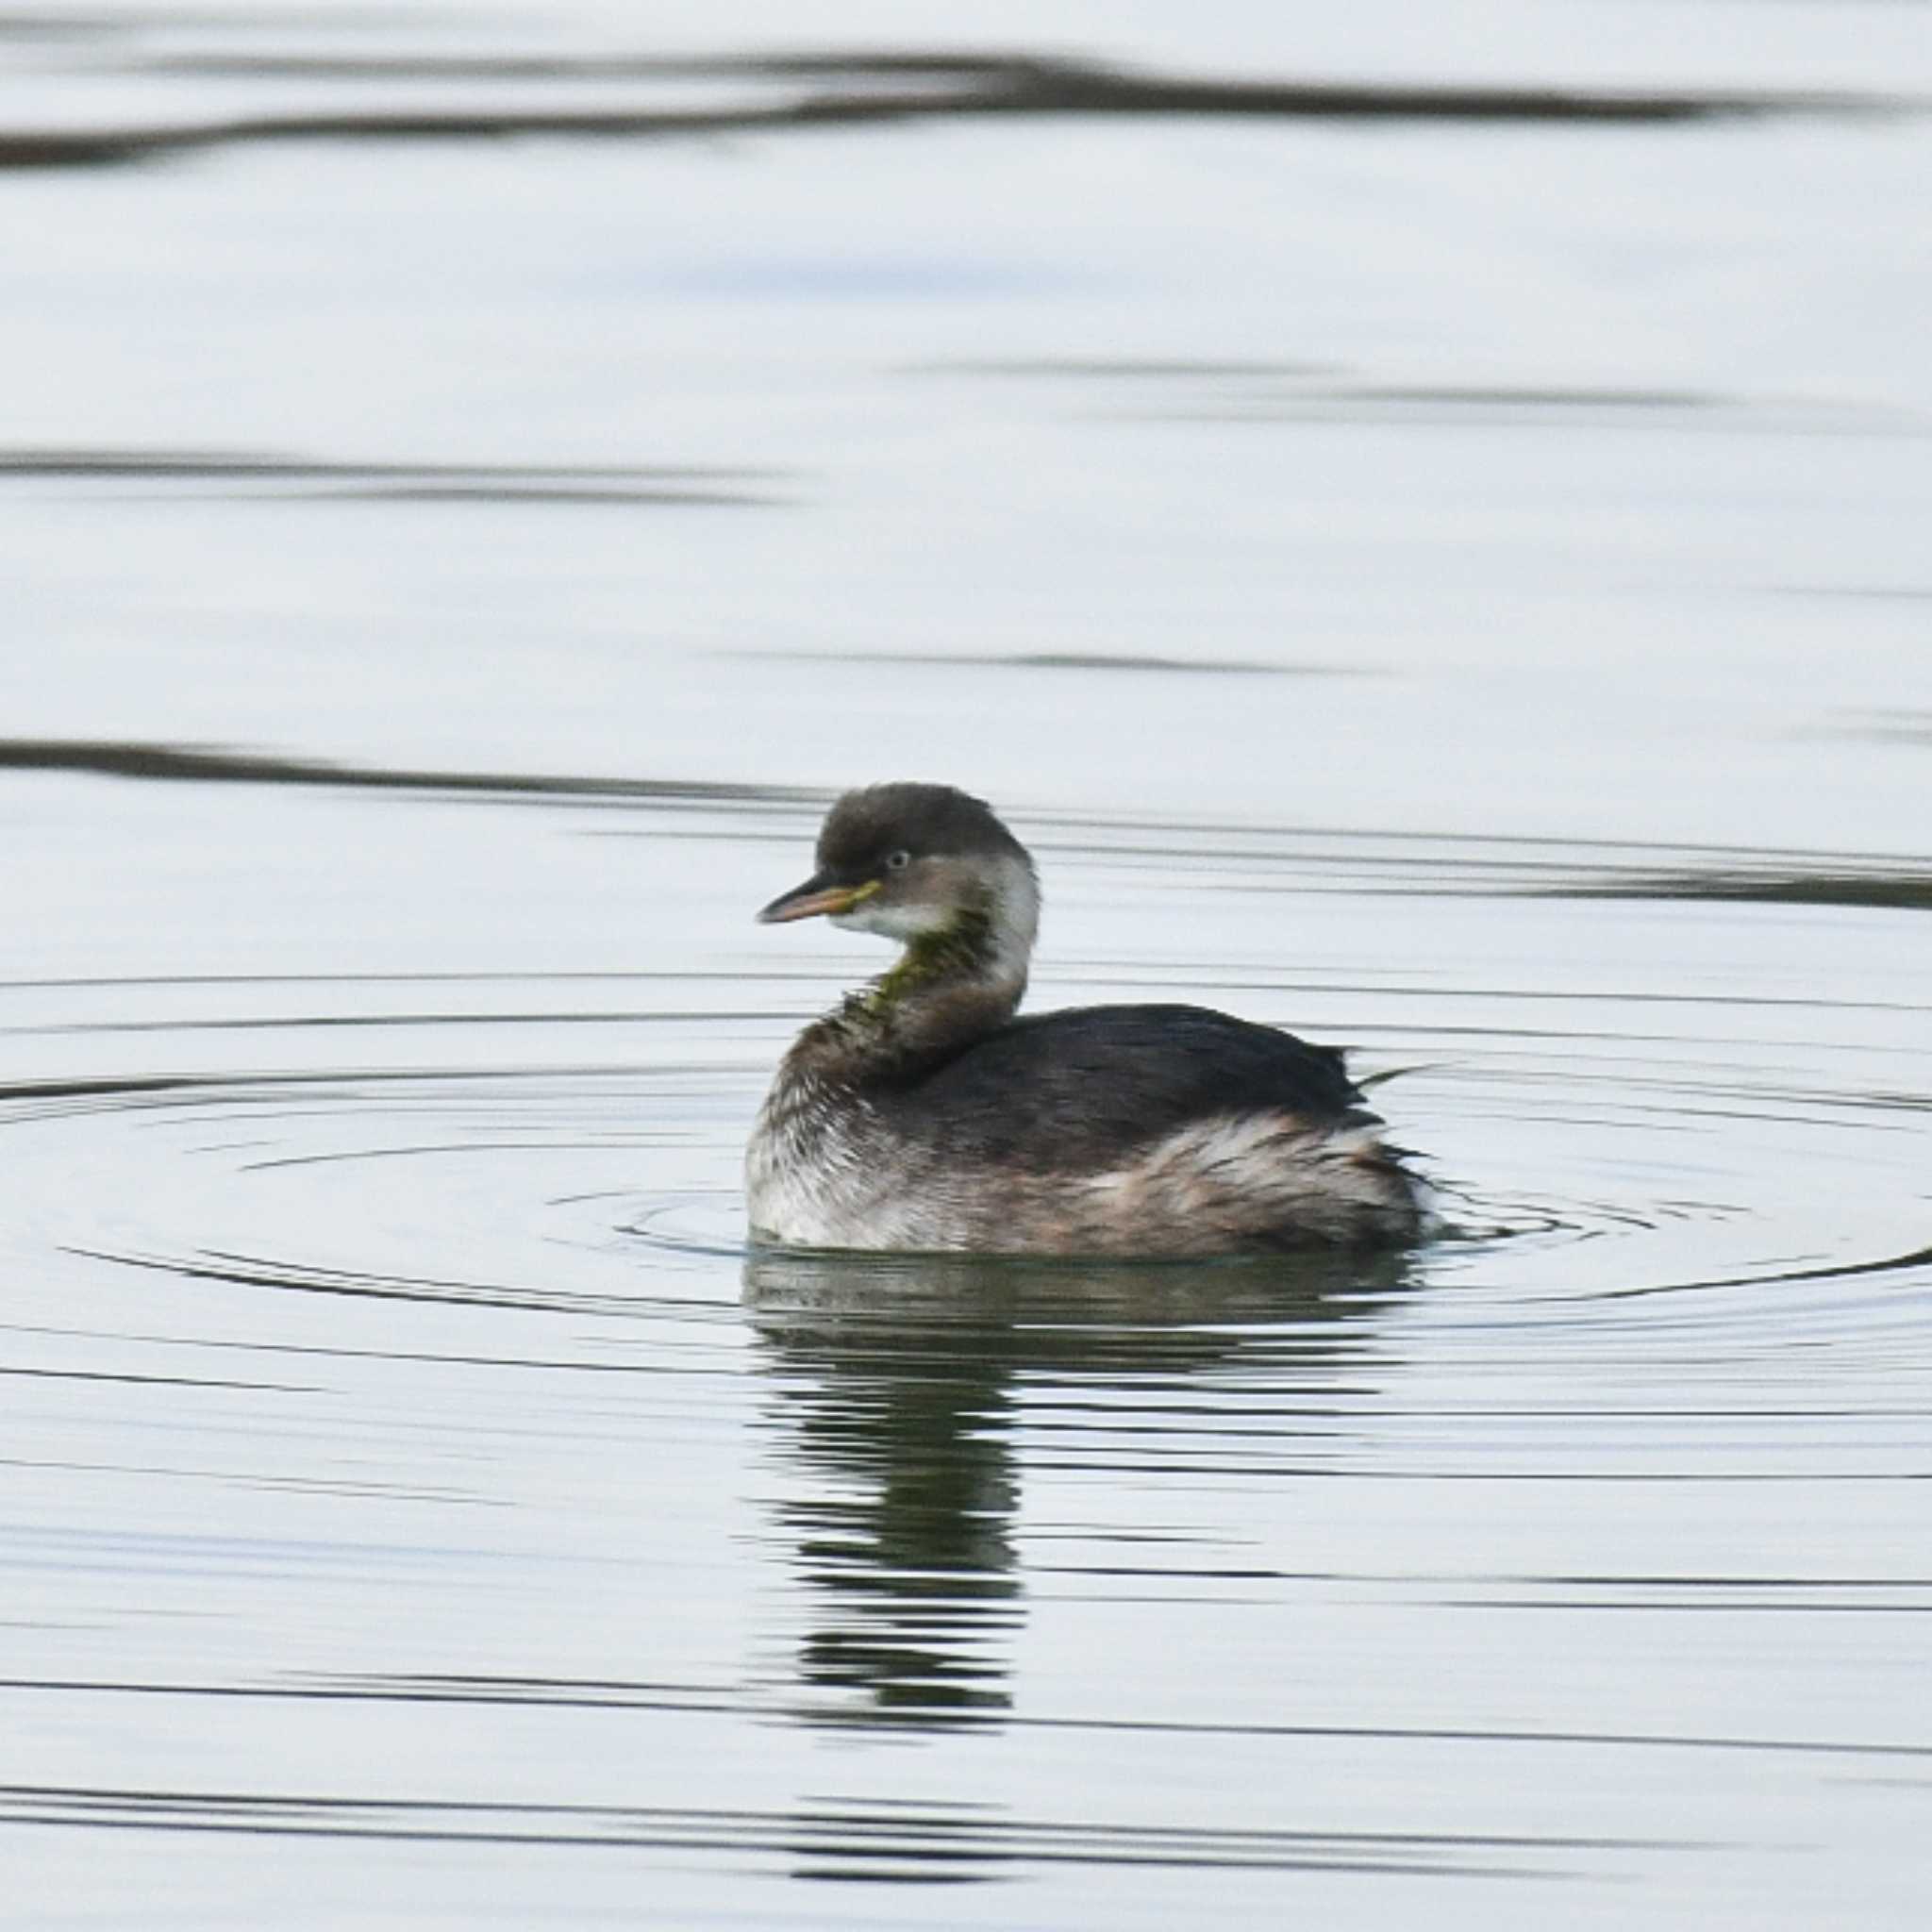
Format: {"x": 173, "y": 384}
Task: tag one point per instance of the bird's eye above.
{"x": 898, "y": 861}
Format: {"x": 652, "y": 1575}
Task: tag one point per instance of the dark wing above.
{"x": 1080, "y": 1089}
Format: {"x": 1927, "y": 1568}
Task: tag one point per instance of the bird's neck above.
{"x": 951, "y": 986}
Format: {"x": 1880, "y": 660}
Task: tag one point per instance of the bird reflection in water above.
{"x": 898, "y": 1388}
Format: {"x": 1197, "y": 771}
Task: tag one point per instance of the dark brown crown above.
{"x": 927, "y": 821}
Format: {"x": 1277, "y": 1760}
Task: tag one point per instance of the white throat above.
{"x": 1014, "y": 904}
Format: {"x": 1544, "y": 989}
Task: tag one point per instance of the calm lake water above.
{"x": 1444, "y": 571}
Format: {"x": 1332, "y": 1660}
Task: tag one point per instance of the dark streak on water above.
{"x": 1436, "y": 866}
{"x": 858, "y": 89}
{"x": 298, "y": 478}
{"x": 1095, "y": 660}
{"x": 849, "y": 1841}
{"x": 170, "y": 763}
{"x": 1903, "y": 891}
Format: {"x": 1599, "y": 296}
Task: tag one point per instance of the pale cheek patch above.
{"x": 892, "y": 922}
{"x": 926, "y": 900}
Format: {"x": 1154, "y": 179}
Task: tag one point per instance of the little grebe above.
{"x": 921, "y": 1115}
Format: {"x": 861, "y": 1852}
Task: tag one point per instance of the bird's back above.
{"x": 1080, "y": 1090}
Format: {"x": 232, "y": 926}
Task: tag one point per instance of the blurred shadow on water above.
{"x": 804, "y": 91}
{"x": 898, "y": 1385}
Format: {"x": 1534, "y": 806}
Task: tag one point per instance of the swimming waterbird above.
{"x": 920, "y": 1115}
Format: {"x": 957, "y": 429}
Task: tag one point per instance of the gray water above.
{"x": 1444, "y": 571}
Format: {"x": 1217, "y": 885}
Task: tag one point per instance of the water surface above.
{"x": 1450, "y": 583}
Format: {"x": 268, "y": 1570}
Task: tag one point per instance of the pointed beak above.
{"x": 818, "y": 895}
